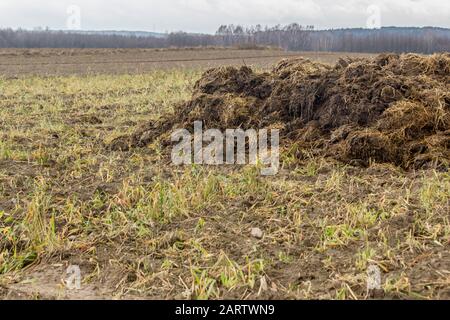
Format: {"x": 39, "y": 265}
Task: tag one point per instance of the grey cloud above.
{"x": 207, "y": 15}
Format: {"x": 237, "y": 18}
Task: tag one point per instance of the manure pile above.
{"x": 391, "y": 109}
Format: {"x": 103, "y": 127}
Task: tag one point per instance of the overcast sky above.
{"x": 207, "y": 15}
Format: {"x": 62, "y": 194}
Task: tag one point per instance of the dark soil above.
{"x": 390, "y": 109}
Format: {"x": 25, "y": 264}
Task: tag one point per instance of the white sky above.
{"x": 207, "y": 15}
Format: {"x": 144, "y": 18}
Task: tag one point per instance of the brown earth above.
{"x": 391, "y": 109}
{"x": 51, "y": 62}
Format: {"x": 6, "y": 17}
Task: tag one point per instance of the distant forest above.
{"x": 292, "y": 37}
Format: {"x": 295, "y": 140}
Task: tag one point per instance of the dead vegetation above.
{"x": 392, "y": 109}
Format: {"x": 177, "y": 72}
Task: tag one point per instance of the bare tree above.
{"x": 290, "y": 37}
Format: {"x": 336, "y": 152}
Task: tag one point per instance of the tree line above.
{"x": 292, "y": 37}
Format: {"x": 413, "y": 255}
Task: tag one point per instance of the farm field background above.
{"x": 141, "y": 228}
{"x": 48, "y": 62}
